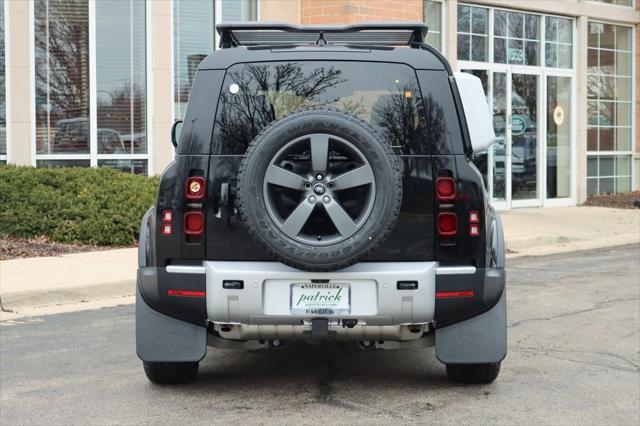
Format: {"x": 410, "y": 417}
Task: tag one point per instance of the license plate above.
{"x": 320, "y": 299}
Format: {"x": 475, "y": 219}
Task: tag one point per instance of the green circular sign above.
{"x": 518, "y": 125}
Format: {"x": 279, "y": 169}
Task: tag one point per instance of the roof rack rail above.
{"x": 234, "y": 34}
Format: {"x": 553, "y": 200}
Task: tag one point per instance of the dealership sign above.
{"x": 518, "y": 125}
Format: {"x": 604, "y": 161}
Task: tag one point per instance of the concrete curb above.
{"x": 36, "y": 299}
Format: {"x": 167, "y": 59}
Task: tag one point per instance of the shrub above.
{"x": 74, "y": 205}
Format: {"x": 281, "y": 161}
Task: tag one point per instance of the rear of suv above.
{"x": 323, "y": 189}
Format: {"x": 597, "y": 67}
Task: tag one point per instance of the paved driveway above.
{"x": 573, "y": 358}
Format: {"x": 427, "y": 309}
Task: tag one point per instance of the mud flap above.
{"x": 478, "y": 340}
{"x": 160, "y": 338}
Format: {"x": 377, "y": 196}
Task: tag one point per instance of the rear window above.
{"x": 387, "y": 96}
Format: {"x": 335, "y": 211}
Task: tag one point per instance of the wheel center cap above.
{"x": 319, "y": 189}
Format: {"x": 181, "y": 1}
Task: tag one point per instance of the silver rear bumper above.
{"x": 262, "y": 308}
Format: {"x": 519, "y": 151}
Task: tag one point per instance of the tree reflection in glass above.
{"x": 384, "y": 95}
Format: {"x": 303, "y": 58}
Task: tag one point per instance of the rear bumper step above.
{"x": 265, "y": 298}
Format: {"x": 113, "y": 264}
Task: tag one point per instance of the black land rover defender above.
{"x": 323, "y": 189}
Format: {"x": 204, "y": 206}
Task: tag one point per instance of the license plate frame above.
{"x": 321, "y": 307}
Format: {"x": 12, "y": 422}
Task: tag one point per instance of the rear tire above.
{"x": 473, "y": 373}
{"x": 165, "y": 373}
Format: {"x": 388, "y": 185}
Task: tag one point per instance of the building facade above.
{"x": 98, "y": 83}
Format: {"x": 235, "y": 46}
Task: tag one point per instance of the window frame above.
{"x": 471, "y": 34}
{"x": 443, "y": 21}
{"x": 543, "y": 72}
{"x": 631, "y": 152}
{"x": 93, "y": 156}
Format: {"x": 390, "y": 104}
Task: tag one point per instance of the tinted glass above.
{"x": 193, "y": 26}
{"x": 61, "y": 32}
{"x": 609, "y": 96}
{"x": 432, "y": 17}
{"x": 120, "y": 76}
{"x": 386, "y": 96}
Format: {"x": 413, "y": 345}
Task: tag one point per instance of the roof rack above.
{"x": 234, "y": 34}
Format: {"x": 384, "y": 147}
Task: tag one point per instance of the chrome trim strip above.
{"x": 455, "y": 270}
{"x": 185, "y": 269}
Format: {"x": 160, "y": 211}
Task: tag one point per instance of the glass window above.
{"x": 138, "y": 167}
{"x": 473, "y": 30}
{"x": 3, "y": 98}
{"x": 61, "y": 31}
{"x": 433, "y": 18}
{"x": 193, "y": 27}
{"x": 193, "y": 39}
{"x": 609, "y": 97}
{"x": 388, "y": 98}
{"x": 558, "y": 137}
{"x": 239, "y": 10}
{"x": 63, "y": 163}
{"x": 558, "y": 42}
{"x": 121, "y": 76}
{"x": 516, "y": 38}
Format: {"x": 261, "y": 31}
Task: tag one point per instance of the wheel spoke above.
{"x": 319, "y": 152}
{"x": 281, "y": 177}
{"x": 357, "y": 177}
{"x": 297, "y": 218}
{"x": 340, "y": 218}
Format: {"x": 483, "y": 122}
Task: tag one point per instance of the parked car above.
{"x": 323, "y": 189}
{"x": 72, "y": 135}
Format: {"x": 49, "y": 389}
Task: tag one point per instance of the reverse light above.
{"x": 186, "y": 293}
{"x": 474, "y": 230}
{"x": 474, "y": 217}
{"x": 447, "y": 224}
{"x": 195, "y": 188}
{"x": 166, "y": 229}
{"x": 167, "y": 216}
{"x": 446, "y": 188}
{"x": 193, "y": 223}
{"x": 454, "y": 294}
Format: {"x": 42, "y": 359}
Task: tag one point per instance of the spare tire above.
{"x": 319, "y": 189}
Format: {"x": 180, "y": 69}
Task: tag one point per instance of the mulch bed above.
{"x": 13, "y": 248}
{"x": 616, "y": 201}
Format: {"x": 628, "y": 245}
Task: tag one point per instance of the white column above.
{"x": 19, "y": 67}
{"x": 160, "y": 107}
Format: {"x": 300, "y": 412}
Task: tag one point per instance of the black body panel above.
{"x": 488, "y": 285}
{"x": 414, "y": 237}
{"x": 153, "y": 284}
{"x": 424, "y": 58}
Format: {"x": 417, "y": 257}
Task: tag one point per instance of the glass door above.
{"x": 523, "y": 140}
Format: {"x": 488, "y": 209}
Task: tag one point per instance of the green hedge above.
{"x": 74, "y": 205}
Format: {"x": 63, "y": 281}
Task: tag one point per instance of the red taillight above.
{"x": 167, "y": 229}
{"x": 186, "y": 293}
{"x": 447, "y": 224}
{"x": 454, "y": 294}
{"x": 446, "y": 188}
{"x": 193, "y": 223}
{"x": 194, "y": 189}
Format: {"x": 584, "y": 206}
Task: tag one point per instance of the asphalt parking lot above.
{"x": 574, "y": 356}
